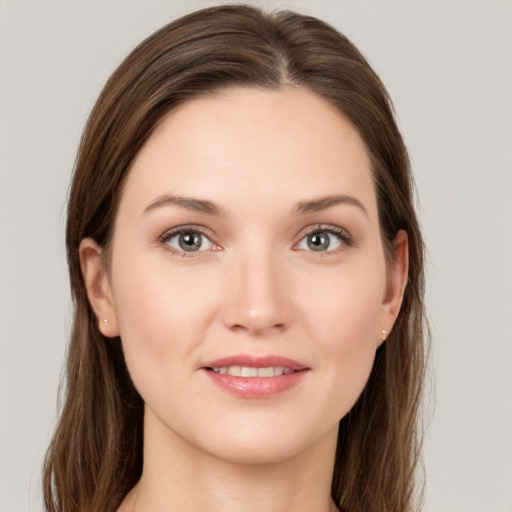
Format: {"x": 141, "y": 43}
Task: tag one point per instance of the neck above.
{"x": 178, "y": 476}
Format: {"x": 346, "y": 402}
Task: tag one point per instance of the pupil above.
{"x": 190, "y": 241}
{"x": 318, "y": 242}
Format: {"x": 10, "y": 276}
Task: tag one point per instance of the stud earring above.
{"x": 384, "y": 334}
{"x": 105, "y": 320}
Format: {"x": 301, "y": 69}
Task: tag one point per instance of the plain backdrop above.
{"x": 448, "y": 66}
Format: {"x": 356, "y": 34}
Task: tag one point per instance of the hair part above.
{"x": 95, "y": 456}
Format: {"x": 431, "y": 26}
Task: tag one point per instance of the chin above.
{"x": 265, "y": 446}
{"x": 257, "y": 453}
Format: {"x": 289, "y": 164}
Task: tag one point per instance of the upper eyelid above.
{"x": 203, "y": 230}
{"x": 323, "y": 227}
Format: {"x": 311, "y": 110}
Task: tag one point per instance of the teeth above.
{"x": 266, "y": 372}
{"x": 245, "y": 371}
{"x": 248, "y": 371}
{"x": 235, "y": 371}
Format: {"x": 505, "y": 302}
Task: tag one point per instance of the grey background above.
{"x": 448, "y": 66}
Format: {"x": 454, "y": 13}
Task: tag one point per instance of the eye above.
{"x": 188, "y": 240}
{"x": 323, "y": 240}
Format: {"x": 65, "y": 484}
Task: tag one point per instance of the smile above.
{"x": 248, "y": 371}
{"x": 249, "y": 377}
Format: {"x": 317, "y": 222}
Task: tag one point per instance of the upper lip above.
{"x": 255, "y": 362}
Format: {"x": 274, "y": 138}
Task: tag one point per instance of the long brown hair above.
{"x": 95, "y": 456}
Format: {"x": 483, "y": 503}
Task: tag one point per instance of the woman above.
{"x": 247, "y": 272}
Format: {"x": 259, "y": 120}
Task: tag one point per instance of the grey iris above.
{"x": 318, "y": 241}
{"x": 190, "y": 241}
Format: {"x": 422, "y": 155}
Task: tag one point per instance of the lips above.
{"x": 244, "y": 360}
{"x": 255, "y": 377}
{"x": 250, "y": 372}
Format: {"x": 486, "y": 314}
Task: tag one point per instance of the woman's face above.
{"x": 247, "y": 245}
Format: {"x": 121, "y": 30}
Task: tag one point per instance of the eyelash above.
{"x": 344, "y": 237}
{"x": 182, "y": 230}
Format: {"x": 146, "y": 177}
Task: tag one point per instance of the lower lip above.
{"x": 256, "y": 387}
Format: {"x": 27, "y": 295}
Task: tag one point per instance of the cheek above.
{"x": 346, "y": 307}
{"x": 161, "y": 312}
{"x": 343, "y": 320}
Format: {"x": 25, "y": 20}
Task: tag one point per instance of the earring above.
{"x": 105, "y": 320}
{"x": 384, "y": 334}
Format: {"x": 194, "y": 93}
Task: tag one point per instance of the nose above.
{"x": 257, "y": 298}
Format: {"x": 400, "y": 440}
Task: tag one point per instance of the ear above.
{"x": 396, "y": 284}
{"x": 97, "y": 285}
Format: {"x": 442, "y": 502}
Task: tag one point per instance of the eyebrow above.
{"x": 322, "y": 203}
{"x": 187, "y": 203}
{"x": 205, "y": 206}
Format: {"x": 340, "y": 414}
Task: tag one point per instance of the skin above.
{"x": 255, "y": 287}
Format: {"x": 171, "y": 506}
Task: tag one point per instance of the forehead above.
{"x": 252, "y": 145}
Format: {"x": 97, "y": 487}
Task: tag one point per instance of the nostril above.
{"x": 256, "y": 327}
{"x": 256, "y": 309}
